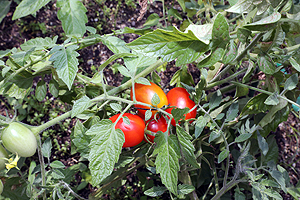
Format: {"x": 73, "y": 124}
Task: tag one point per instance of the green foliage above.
{"x": 237, "y": 108}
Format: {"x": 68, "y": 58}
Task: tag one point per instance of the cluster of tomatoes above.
{"x": 134, "y": 131}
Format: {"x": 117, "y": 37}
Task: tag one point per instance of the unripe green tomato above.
{"x": 19, "y": 139}
{"x": 3, "y": 154}
{"x": 1, "y": 187}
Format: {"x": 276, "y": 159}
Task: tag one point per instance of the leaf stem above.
{"x": 42, "y": 163}
{"x": 265, "y": 92}
{"x": 239, "y": 57}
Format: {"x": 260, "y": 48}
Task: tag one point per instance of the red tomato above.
{"x": 179, "y": 98}
{"x": 156, "y": 125}
{"x": 133, "y": 132}
{"x": 144, "y": 94}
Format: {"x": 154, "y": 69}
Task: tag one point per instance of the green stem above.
{"x": 226, "y": 80}
{"x": 265, "y": 92}
{"x": 239, "y": 57}
{"x": 42, "y": 163}
{"x": 37, "y": 129}
{"x": 71, "y": 191}
{"x": 227, "y": 187}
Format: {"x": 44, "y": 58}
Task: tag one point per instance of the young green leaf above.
{"x": 272, "y": 100}
{"x": 279, "y": 179}
{"x": 263, "y": 145}
{"x": 81, "y": 140}
{"x": 167, "y": 160}
{"x": 187, "y": 148}
{"x": 155, "y": 191}
{"x": 142, "y": 80}
{"x": 66, "y": 64}
{"x": 4, "y": 8}
{"x": 291, "y": 82}
{"x": 243, "y": 137}
{"x": 73, "y": 17}
{"x": 223, "y": 155}
{"x": 232, "y": 112}
{"x": 54, "y": 88}
{"x": 116, "y": 107}
{"x": 266, "y": 64}
{"x": 184, "y": 189}
{"x": 213, "y": 135}
{"x": 155, "y": 100}
{"x": 266, "y": 23}
{"x": 294, "y": 64}
{"x": 46, "y": 148}
{"x": 200, "y": 124}
{"x": 169, "y": 45}
{"x": 238, "y": 195}
{"x": 41, "y": 90}
{"x": 80, "y": 105}
{"x": 152, "y": 20}
{"x": 220, "y": 32}
{"x": 39, "y": 43}
{"x": 27, "y": 7}
{"x": 106, "y": 147}
{"x": 57, "y": 164}
{"x": 215, "y": 100}
{"x": 272, "y": 193}
{"x": 178, "y": 113}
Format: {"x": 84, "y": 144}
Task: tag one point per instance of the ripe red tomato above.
{"x": 133, "y": 132}
{"x": 144, "y": 94}
{"x": 154, "y": 126}
{"x": 179, "y": 98}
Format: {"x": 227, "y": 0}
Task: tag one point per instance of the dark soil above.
{"x": 46, "y": 24}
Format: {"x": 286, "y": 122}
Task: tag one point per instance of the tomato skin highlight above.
{"x": 133, "y": 132}
{"x": 144, "y": 94}
{"x": 3, "y": 154}
{"x": 19, "y": 139}
{"x": 180, "y": 98}
{"x": 154, "y": 126}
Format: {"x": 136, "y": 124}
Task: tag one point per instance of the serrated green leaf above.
{"x": 73, "y": 17}
{"x": 4, "y": 8}
{"x": 178, "y": 113}
{"x": 27, "y": 7}
{"x": 57, "y": 174}
{"x": 223, "y": 155}
{"x": 170, "y": 45}
{"x": 41, "y": 90}
{"x": 279, "y": 178}
{"x": 232, "y": 112}
{"x": 167, "y": 160}
{"x": 243, "y": 137}
{"x": 262, "y": 143}
{"x": 148, "y": 115}
{"x": 213, "y": 135}
{"x": 295, "y": 64}
{"x": 80, "y": 105}
{"x": 238, "y": 195}
{"x": 57, "y": 164}
{"x": 142, "y": 80}
{"x": 81, "y": 140}
{"x": 39, "y": 43}
{"x": 124, "y": 71}
{"x": 215, "y": 100}
{"x": 152, "y": 20}
{"x": 220, "y": 32}
{"x": 116, "y": 107}
{"x": 269, "y": 117}
{"x": 99, "y": 128}
{"x": 66, "y": 64}
{"x": 265, "y": 24}
{"x": 200, "y": 124}
{"x": 272, "y": 193}
{"x": 243, "y": 34}
{"x": 202, "y": 32}
{"x": 54, "y": 88}
{"x": 155, "y": 191}
{"x": 115, "y": 44}
{"x": 46, "y": 148}
{"x": 291, "y": 82}
{"x": 230, "y": 53}
{"x": 266, "y": 64}
{"x": 256, "y": 105}
{"x": 184, "y": 189}
{"x": 155, "y": 100}
{"x": 187, "y": 148}
{"x": 106, "y": 146}
{"x": 272, "y": 99}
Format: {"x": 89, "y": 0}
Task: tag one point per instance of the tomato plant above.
{"x": 145, "y": 93}
{"x": 154, "y": 126}
{"x": 133, "y": 132}
{"x": 3, "y": 154}
{"x": 179, "y": 97}
{"x": 19, "y": 139}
